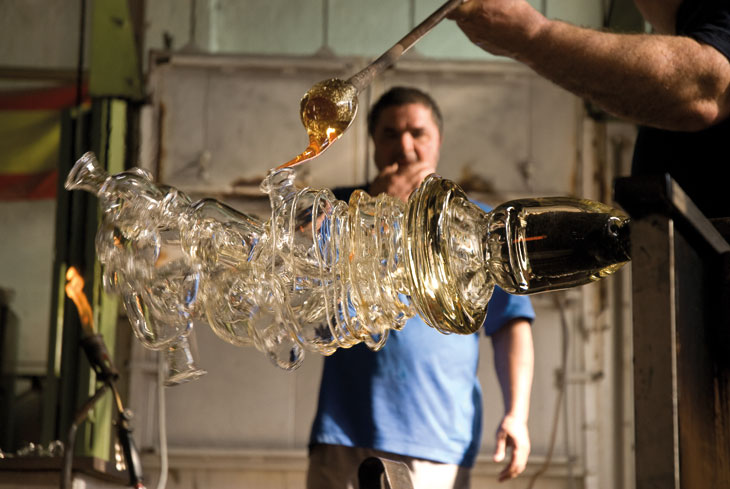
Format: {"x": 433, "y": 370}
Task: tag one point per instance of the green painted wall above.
{"x": 304, "y": 27}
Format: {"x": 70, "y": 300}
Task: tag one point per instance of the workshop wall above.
{"x": 341, "y": 27}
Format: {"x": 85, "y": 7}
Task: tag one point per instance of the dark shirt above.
{"x": 698, "y": 161}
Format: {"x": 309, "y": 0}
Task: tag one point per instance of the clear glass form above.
{"x": 322, "y": 274}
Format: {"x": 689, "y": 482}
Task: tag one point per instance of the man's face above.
{"x": 407, "y": 135}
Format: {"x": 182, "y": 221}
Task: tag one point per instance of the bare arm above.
{"x": 665, "y": 81}
{"x": 514, "y": 361}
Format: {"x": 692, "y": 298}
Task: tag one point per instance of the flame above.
{"x": 75, "y": 291}
{"x": 331, "y": 133}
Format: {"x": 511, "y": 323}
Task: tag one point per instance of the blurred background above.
{"x": 205, "y": 94}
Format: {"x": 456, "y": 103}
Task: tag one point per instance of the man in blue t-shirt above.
{"x": 675, "y": 82}
{"x": 418, "y": 400}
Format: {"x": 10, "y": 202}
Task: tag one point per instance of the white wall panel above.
{"x": 265, "y": 26}
{"x": 39, "y": 34}
{"x": 222, "y": 128}
{"x": 244, "y": 401}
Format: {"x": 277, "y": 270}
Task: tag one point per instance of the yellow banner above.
{"x": 29, "y": 141}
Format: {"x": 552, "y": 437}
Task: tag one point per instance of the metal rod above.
{"x": 363, "y": 78}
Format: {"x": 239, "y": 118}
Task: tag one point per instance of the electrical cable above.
{"x": 68, "y": 455}
{"x": 162, "y": 422}
{"x": 558, "y": 299}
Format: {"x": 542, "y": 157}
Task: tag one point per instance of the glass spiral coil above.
{"x": 320, "y": 273}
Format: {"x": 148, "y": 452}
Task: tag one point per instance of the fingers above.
{"x": 389, "y": 170}
{"x": 400, "y": 180}
{"x": 414, "y": 172}
{"x": 394, "y": 183}
{"x": 516, "y": 465}
{"x": 512, "y": 436}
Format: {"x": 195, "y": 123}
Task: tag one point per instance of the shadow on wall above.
{"x": 20, "y": 396}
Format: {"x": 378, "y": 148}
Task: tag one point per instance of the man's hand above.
{"x": 400, "y": 180}
{"x": 512, "y": 433}
{"x": 501, "y": 27}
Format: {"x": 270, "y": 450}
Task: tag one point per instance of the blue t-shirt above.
{"x": 419, "y": 396}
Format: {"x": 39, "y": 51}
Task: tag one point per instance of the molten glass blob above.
{"x": 326, "y": 111}
{"x": 321, "y": 274}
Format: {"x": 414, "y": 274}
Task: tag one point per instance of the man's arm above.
{"x": 665, "y": 81}
{"x": 514, "y": 361}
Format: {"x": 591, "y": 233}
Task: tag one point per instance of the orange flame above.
{"x": 75, "y": 291}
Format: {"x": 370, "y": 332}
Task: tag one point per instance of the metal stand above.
{"x": 681, "y": 333}
{"x": 381, "y": 473}
{"x": 100, "y": 360}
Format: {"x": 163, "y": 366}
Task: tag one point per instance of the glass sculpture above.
{"x": 321, "y": 273}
